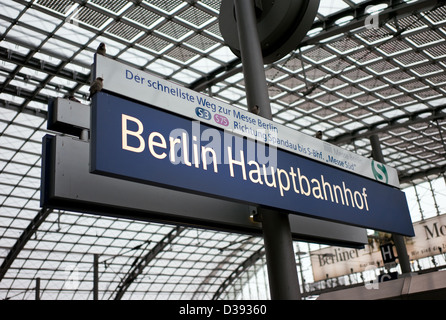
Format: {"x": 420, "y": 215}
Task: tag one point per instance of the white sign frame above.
{"x": 150, "y": 89}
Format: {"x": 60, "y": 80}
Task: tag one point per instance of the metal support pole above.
{"x": 281, "y": 263}
{"x": 96, "y": 277}
{"x": 280, "y": 259}
{"x": 252, "y": 59}
{"x": 37, "y": 288}
{"x": 437, "y": 208}
{"x": 398, "y": 240}
{"x": 418, "y": 201}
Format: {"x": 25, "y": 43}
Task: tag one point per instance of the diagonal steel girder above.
{"x": 238, "y": 271}
{"x": 23, "y": 239}
{"x": 138, "y": 268}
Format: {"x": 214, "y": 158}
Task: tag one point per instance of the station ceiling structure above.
{"x": 351, "y": 77}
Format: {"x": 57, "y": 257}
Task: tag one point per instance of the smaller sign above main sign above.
{"x": 149, "y": 89}
{"x": 141, "y": 143}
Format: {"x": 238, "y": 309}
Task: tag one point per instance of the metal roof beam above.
{"x": 238, "y": 271}
{"x": 23, "y": 239}
{"x": 405, "y": 179}
{"x": 138, "y": 268}
{"x": 395, "y": 9}
{"x": 330, "y": 28}
{"x": 391, "y": 124}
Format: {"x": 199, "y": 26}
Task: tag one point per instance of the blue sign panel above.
{"x": 142, "y": 143}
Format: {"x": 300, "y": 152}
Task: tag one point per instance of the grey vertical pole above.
{"x": 96, "y": 277}
{"x": 37, "y": 288}
{"x": 281, "y": 263}
{"x": 398, "y": 240}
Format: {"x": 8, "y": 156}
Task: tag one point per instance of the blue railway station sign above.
{"x": 137, "y": 141}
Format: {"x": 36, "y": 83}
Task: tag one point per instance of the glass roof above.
{"x": 348, "y": 78}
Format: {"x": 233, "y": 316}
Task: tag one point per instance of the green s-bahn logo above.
{"x": 380, "y": 172}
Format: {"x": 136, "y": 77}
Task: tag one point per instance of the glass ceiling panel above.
{"x": 329, "y": 7}
{"x": 349, "y": 83}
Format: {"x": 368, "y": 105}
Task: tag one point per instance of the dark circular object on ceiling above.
{"x": 281, "y": 25}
